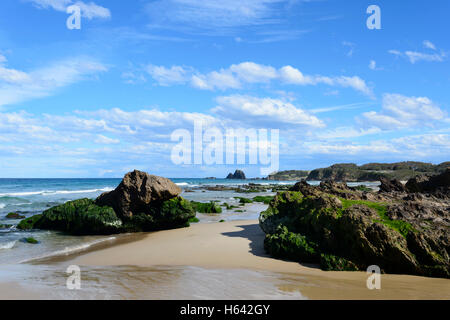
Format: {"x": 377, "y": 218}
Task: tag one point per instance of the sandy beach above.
{"x": 239, "y": 245}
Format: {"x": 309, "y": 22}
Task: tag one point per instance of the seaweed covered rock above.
{"x": 139, "y": 192}
{"x": 210, "y": 207}
{"x": 14, "y": 215}
{"x": 170, "y": 214}
{"x": 141, "y": 202}
{"x": 310, "y": 225}
{"x": 79, "y": 217}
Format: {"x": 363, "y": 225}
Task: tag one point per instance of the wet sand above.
{"x": 239, "y": 245}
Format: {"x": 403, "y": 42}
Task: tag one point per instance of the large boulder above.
{"x": 139, "y": 192}
{"x": 141, "y": 202}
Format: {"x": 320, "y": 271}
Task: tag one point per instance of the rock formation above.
{"x": 138, "y": 193}
{"x": 141, "y": 202}
{"x": 342, "y": 228}
{"x": 238, "y": 174}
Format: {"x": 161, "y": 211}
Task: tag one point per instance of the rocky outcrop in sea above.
{"x": 238, "y": 174}
{"x": 402, "y": 228}
{"x": 142, "y": 202}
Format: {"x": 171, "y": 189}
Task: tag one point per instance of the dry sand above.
{"x": 239, "y": 245}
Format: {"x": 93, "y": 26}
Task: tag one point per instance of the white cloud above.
{"x": 264, "y": 111}
{"x": 399, "y": 111}
{"x": 372, "y": 65}
{"x": 101, "y": 139}
{"x": 418, "y": 56}
{"x": 17, "y": 86}
{"x": 222, "y": 79}
{"x": 165, "y": 76}
{"x": 428, "y": 44}
{"x": 212, "y": 14}
{"x": 88, "y": 10}
{"x": 237, "y": 75}
{"x": 415, "y": 56}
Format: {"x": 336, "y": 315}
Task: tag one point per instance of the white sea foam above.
{"x": 70, "y": 250}
{"x": 2, "y": 205}
{"x": 50, "y": 192}
{"x": 182, "y": 184}
{"x": 7, "y": 245}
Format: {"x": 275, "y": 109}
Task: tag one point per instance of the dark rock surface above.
{"x": 391, "y": 185}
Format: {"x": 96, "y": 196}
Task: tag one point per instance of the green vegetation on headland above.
{"x": 375, "y": 171}
{"x": 342, "y": 228}
{"x": 289, "y": 175}
{"x": 367, "y": 172}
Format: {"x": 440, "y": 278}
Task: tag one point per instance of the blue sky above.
{"x": 102, "y": 100}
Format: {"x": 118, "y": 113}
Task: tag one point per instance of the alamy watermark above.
{"x": 74, "y": 20}
{"x": 214, "y": 146}
{"x": 374, "y": 280}
{"x": 374, "y": 20}
{"x": 74, "y": 280}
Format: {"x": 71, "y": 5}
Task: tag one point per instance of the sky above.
{"x": 105, "y": 99}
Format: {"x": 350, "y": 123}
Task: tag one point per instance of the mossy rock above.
{"x": 14, "y": 215}
{"x": 243, "y": 200}
{"x": 174, "y": 213}
{"x": 342, "y": 234}
{"x": 30, "y": 240}
{"x": 194, "y": 220}
{"x": 288, "y": 245}
{"x": 30, "y": 223}
{"x": 263, "y": 199}
{"x": 329, "y": 262}
{"x": 210, "y": 207}
{"x": 79, "y": 217}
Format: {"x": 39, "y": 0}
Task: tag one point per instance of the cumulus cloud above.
{"x": 400, "y": 111}
{"x": 237, "y": 75}
{"x": 88, "y": 10}
{"x": 264, "y": 111}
